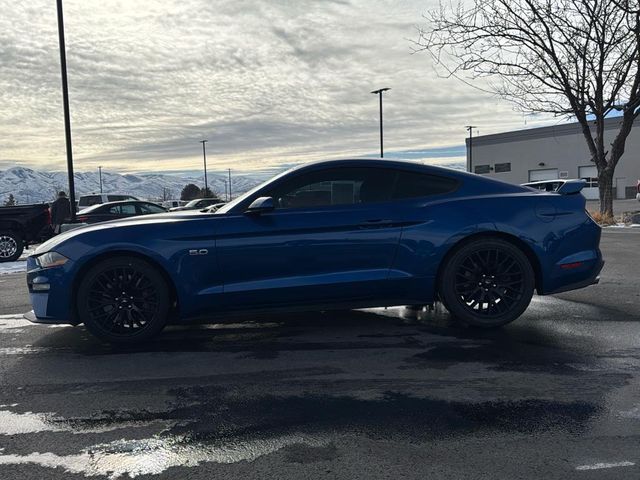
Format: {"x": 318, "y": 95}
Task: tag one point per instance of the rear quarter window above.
{"x": 413, "y": 185}
{"x": 117, "y": 198}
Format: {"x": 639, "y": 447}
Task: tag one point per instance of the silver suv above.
{"x": 97, "y": 198}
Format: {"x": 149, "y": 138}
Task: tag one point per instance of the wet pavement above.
{"x": 384, "y": 393}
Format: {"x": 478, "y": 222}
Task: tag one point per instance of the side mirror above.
{"x": 261, "y": 205}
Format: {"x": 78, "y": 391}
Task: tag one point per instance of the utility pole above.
{"x": 470, "y": 155}
{"x": 229, "y": 184}
{"x": 204, "y": 155}
{"x": 226, "y": 193}
{"x": 100, "y": 174}
{"x": 379, "y": 93}
{"x": 67, "y": 116}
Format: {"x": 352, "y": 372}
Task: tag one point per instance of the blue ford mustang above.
{"x": 336, "y": 234}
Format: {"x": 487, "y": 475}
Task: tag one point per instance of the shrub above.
{"x": 603, "y": 219}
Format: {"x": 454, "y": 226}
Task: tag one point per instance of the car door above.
{"x": 331, "y": 239}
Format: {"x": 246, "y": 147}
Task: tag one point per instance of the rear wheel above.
{"x": 487, "y": 283}
{"x": 11, "y": 246}
{"x": 123, "y": 300}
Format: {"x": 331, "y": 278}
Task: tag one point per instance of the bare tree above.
{"x": 575, "y": 58}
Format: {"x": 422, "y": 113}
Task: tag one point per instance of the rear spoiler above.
{"x": 563, "y": 187}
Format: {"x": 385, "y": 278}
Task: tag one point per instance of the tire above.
{"x": 123, "y": 300}
{"x": 487, "y": 283}
{"x": 11, "y": 246}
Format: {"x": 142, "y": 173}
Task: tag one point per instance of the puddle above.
{"x": 153, "y": 456}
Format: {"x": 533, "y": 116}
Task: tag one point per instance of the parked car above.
{"x": 20, "y": 226}
{"x": 638, "y": 190}
{"x": 173, "y": 203}
{"x": 197, "y": 204}
{"x": 116, "y": 210}
{"x": 338, "y": 234}
{"x": 98, "y": 198}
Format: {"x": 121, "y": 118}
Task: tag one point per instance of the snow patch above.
{"x": 152, "y": 456}
{"x": 13, "y": 267}
{"x": 598, "y": 466}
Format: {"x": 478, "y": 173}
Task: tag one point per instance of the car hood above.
{"x": 158, "y": 218}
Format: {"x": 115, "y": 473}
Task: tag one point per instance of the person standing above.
{"x": 60, "y": 211}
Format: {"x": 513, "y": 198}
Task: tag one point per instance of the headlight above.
{"x": 51, "y": 259}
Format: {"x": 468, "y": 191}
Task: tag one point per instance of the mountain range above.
{"x": 34, "y": 186}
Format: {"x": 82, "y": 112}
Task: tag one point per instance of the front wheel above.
{"x": 487, "y": 283}
{"x": 11, "y": 246}
{"x": 123, "y": 300}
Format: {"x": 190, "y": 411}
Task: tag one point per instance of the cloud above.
{"x": 266, "y": 82}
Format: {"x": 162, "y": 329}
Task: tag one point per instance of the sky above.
{"x": 267, "y": 83}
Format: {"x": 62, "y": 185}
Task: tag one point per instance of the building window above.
{"x": 502, "y": 167}
{"x": 482, "y": 169}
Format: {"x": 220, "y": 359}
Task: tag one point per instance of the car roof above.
{"x": 93, "y": 208}
{"x": 403, "y": 164}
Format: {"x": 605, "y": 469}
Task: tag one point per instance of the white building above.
{"x": 548, "y": 153}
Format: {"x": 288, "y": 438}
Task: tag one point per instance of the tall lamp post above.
{"x": 67, "y": 116}
{"x": 470, "y": 156}
{"x": 204, "y": 155}
{"x": 379, "y": 93}
{"x": 100, "y": 175}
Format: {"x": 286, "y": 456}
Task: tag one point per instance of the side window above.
{"x": 117, "y": 198}
{"x": 128, "y": 209}
{"x": 89, "y": 200}
{"x": 412, "y": 185}
{"x": 336, "y": 186}
{"x": 115, "y": 210}
{"x": 481, "y": 169}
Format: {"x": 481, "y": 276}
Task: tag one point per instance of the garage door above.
{"x": 590, "y": 175}
{"x": 544, "y": 174}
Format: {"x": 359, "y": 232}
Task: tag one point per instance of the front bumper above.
{"x": 54, "y": 304}
{"x": 31, "y": 316}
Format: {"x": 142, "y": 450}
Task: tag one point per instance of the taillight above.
{"x": 82, "y": 219}
{"x": 48, "y": 216}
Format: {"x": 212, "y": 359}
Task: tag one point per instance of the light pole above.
{"x": 379, "y": 93}
{"x": 100, "y": 174}
{"x": 67, "y": 116}
{"x": 470, "y": 156}
{"x": 204, "y": 155}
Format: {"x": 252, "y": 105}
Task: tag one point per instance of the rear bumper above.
{"x": 592, "y": 279}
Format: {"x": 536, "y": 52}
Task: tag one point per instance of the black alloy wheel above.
{"x": 487, "y": 283}
{"x": 123, "y": 300}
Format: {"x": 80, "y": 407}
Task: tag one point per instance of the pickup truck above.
{"x": 20, "y": 226}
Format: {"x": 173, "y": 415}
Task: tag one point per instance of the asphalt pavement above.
{"x": 382, "y": 393}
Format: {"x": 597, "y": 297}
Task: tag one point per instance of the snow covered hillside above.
{"x": 34, "y": 186}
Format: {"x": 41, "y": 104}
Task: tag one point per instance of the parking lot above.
{"x": 384, "y": 393}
